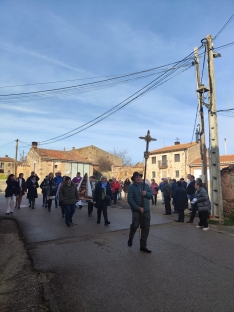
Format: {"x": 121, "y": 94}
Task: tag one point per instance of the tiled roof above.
{"x": 224, "y": 159}
{"x": 6, "y": 159}
{"x": 60, "y": 155}
{"x": 173, "y": 148}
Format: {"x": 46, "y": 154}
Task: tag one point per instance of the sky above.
{"x": 49, "y": 41}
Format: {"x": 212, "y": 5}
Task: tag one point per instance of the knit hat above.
{"x": 136, "y": 174}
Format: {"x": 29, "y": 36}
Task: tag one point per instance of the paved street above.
{"x": 93, "y": 269}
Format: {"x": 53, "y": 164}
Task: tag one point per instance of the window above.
{"x": 164, "y": 174}
{"x": 154, "y": 160}
{"x": 55, "y": 166}
{"x": 1, "y": 170}
{"x": 164, "y": 160}
{"x": 153, "y": 175}
{"x": 2, "y": 165}
{"x": 177, "y": 157}
{"x": 177, "y": 173}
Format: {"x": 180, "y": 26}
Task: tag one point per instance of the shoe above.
{"x": 189, "y": 221}
{"x": 130, "y": 242}
{"x": 80, "y": 206}
{"x": 43, "y": 205}
{"x": 32, "y": 207}
{"x": 63, "y": 216}
{"x": 206, "y": 229}
{"x": 29, "y": 206}
{"x": 49, "y": 210}
{"x": 18, "y": 207}
{"x": 89, "y": 214}
{"x": 11, "y": 212}
{"x": 68, "y": 225}
{"x": 145, "y": 249}
{"x": 199, "y": 226}
{"x": 98, "y": 221}
{"x": 7, "y": 213}
{"x": 107, "y": 222}
{"x": 71, "y": 221}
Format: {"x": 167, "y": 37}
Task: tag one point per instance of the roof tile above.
{"x": 223, "y": 159}
{"x": 173, "y": 148}
{"x": 61, "y": 155}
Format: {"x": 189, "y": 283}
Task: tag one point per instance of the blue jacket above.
{"x": 58, "y": 180}
{"x": 161, "y": 186}
{"x": 135, "y": 197}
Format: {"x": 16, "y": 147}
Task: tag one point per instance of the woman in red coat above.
{"x": 154, "y": 187}
{"x": 115, "y": 188}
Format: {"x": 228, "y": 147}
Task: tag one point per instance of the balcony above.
{"x": 162, "y": 164}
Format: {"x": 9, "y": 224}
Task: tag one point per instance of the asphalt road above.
{"x": 93, "y": 269}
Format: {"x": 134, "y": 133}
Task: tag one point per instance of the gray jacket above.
{"x": 167, "y": 189}
{"x": 203, "y": 202}
{"x": 135, "y": 197}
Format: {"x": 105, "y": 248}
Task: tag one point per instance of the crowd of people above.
{"x": 64, "y": 192}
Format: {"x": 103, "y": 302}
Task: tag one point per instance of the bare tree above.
{"x": 127, "y": 160}
{"x": 104, "y": 164}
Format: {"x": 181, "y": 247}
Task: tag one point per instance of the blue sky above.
{"x": 43, "y": 41}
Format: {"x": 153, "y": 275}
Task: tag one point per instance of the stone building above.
{"x": 172, "y": 161}
{"x": 196, "y": 166}
{"x": 124, "y": 172}
{"x": 43, "y": 161}
{"x": 227, "y": 180}
{"x": 7, "y": 165}
{"x": 93, "y": 154}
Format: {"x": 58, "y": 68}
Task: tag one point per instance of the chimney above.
{"x": 6, "y": 156}
{"x": 177, "y": 142}
{"x": 73, "y": 148}
{"x": 34, "y": 144}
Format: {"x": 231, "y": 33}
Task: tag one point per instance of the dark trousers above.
{"x": 90, "y": 207}
{"x": 32, "y": 202}
{"x": 49, "y": 204}
{"x": 56, "y": 202}
{"x": 143, "y": 219}
{"x": 62, "y": 207}
{"x": 154, "y": 200}
{"x": 194, "y": 210}
{"x": 69, "y": 212}
{"x": 115, "y": 197}
{"x": 181, "y": 215}
{"x": 44, "y": 199}
{"x": 167, "y": 200}
{"x": 102, "y": 207}
{"x": 203, "y": 216}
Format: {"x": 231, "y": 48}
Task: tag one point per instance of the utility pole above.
{"x": 202, "y": 124}
{"x": 16, "y": 155}
{"x": 213, "y": 129}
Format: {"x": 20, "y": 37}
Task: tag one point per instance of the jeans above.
{"x": 162, "y": 197}
{"x": 119, "y": 195}
{"x": 69, "y": 212}
{"x": 154, "y": 199}
{"x": 102, "y": 207}
{"x": 44, "y": 199}
{"x": 142, "y": 219}
{"x": 115, "y": 197}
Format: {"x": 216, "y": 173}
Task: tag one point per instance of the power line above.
{"x": 224, "y": 110}
{"x": 195, "y": 123}
{"x": 225, "y": 25}
{"x": 7, "y": 144}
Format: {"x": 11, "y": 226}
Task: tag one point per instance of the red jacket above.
{"x": 115, "y": 186}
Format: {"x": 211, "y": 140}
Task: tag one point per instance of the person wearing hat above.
{"x": 140, "y": 215}
{"x": 68, "y": 195}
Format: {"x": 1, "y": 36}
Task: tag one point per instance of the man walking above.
{"x": 68, "y": 195}
{"x": 140, "y": 215}
{"x": 167, "y": 196}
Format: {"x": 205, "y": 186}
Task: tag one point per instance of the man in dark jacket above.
{"x": 33, "y": 174}
{"x": 167, "y": 192}
{"x": 179, "y": 201}
{"x": 191, "y": 192}
{"x": 140, "y": 206}
{"x": 102, "y": 199}
{"x": 58, "y": 179}
{"x": 69, "y": 196}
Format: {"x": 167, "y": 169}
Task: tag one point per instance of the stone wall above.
{"x": 93, "y": 153}
{"x": 227, "y": 180}
{"x": 119, "y": 172}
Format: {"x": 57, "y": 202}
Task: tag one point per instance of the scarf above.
{"x": 104, "y": 184}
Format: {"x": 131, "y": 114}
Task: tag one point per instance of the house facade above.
{"x": 7, "y": 165}
{"x": 43, "y": 161}
{"x": 172, "y": 161}
{"x": 196, "y": 165}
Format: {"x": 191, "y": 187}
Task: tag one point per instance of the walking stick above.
{"x": 148, "y": 139}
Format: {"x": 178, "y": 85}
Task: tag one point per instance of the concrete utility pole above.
{"x": 213, "y": 129}
{"x": 16, "y": 154}
{"x": 202, "y": 124}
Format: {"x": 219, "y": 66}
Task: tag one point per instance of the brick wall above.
{"x": 227, "y": 180}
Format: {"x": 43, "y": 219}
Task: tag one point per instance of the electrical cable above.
{"x": 194, "y": 124}
{"x": 225, "y": 25}
{"x": 7, "y": 144}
